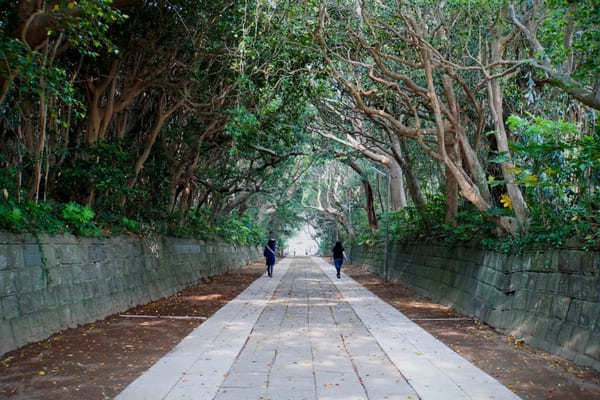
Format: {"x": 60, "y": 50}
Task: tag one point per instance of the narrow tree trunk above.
{"x": 451, "y": 189}
{"x": 39, "y": 149}
{"x": 158, "y": 125}
{"x": 369, "y": 202}
{"x": 401, "y": 155}
{"x": 397, "y": 185}
{"x": 477, "y": 172}
{"x": 370, "y": 206}
{"x": 496, "y": 100}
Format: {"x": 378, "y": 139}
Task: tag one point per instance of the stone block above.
{"x": 28, "y": 304}
{"x": 8, "y": 238}
{"x": 541, "y": 282}
{"x": 7, "y": 283}
{"x": 560, "y": 307}
{"x": 574, "y": 311}
{"x": 571, "y": 261}
{"x": 526, "y": 326}
{"x": 590, "y": 288}
{"x": 495, "y": 260}
{"x": 76, "y": 292}
{"x": 553, "y": 331}
{"x": 583, "y": 287}
{"x": 553, "y": 283}
{"x": 8, "y": 340}
{"x": 541, "y": 327}
{"x": 46, "y": 299}
{"x": 24, "y": 280}
{"x": 9, "y": 307}
{"x": 49, "y": 255}
{"x": 496, "y": 319}
{"x": 544, "y": 306}
{"x": 530, "y": 280}
{"x": 592, "y": 348}
{"x": 566, "y": 353}
{"x": 565, "y": 334}
{"x": 520, "y": 300}
{"x": 72, "y": 253}
{"x": 515, "y": 282}
{"x": 502, "y": 281}
{"x": 21, "y": 328}
{"x": 579, "y": 339}
{"x": 589, "y": 314}
{"x": 41, "y": 325}
{"x": 61, "y": 294}
{"x": 544, "y": 261}
{"x": 11, "y": 256}
{"x": 563, "y": 285}
{"x": 590, "y": 264}
{"x": 478, "y": 307}
{"x": 515, "y": 263}
{"x": 77, "y": 314}
{"x": 97, "y": 253}
{"x": 59, "y": 276}
{"x": 77, "y": 273}
{"x": 460, "y": 253}
{"x": 32, "y": 256}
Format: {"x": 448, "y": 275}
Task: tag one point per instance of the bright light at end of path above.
{"x": 302, "y": 243}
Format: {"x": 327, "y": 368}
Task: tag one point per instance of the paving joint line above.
{"x": 310, "y": 336}
{"x": 360, "y": 379}
{"x": 387, "y": 356}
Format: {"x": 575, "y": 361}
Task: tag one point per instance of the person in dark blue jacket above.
{"x": 339, "y": 255}
{"x": 269, "y": 254}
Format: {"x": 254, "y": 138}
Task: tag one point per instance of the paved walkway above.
{"x": 306, "y": 335}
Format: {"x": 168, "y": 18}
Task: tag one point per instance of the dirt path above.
{"x": 531, "y": 373}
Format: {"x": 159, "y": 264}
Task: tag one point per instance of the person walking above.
{"x": 269, "y": 254}
{"x": 339, "y": 255}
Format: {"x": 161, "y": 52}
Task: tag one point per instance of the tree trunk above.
{"x": 158, "y": 125}
{"x": 467, "y": 188}
{"x": 477, "y": 172}
{"x": 397, "y": 192}
{"x": 400, "y": 152}
{"x": 39, "y": 148}
{"x": 451, "y": 189}
{"x": 369, "y": 202}
{"x": 496, "y": 100}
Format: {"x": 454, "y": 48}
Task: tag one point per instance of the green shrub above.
{"x": 130, "y": 225}
{"x": 80, "y": 219}
{"x": 12, "y": 218}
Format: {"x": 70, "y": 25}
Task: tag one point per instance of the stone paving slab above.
{"x": 306, "y": 335}
{"x": 195, "y": 368}
{"x": 433, "y": 369}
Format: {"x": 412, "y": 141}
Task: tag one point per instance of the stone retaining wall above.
{"x": 50, "y": 283}
{"x": 550, "y": 299}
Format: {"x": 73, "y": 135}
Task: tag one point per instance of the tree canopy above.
{"x": 465, "y": 120}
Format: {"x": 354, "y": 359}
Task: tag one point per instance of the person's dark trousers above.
{"x": 270, "y": 270}
{"x": 338, "y": 265}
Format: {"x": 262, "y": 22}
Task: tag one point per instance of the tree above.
{"x": 429, "y": 94}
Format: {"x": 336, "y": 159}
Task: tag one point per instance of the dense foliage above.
{"x": 485, "y": 129}
{"x": 463, "y": 121}
{"x": 184, "y": 117}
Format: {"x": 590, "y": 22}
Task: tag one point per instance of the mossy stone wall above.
{"x": 551, "y": 298}
{"x": 50, "y": 283}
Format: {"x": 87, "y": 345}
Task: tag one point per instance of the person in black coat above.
{"x": 269, "y": 254}
{"x": 338, "y": 257}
